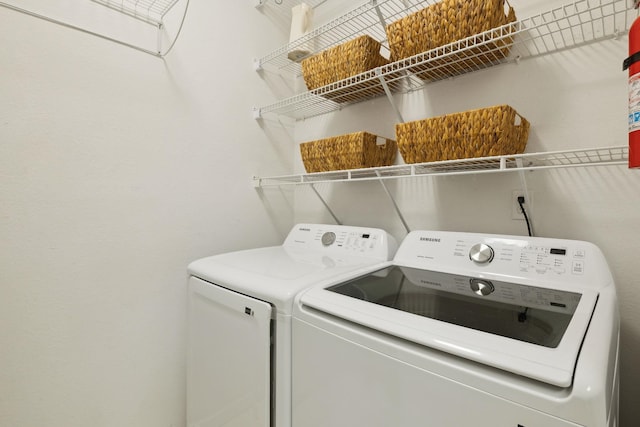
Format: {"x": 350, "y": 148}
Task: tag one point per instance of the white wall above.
{"x": 573, "y": 99}
{"x": 116, "y": 170}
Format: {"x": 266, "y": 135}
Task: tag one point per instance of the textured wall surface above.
{"x": 116, "y": 170}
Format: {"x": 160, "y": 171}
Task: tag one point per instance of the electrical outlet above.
{"x": 516, "y": 213}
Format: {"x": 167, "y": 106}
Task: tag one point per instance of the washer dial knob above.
{"x": 482, "y": 287}
{"x": 481, "y": 253}
{"x": 328, "y": 238}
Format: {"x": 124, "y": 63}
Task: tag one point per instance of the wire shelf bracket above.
{"x": 324, "y": 203}
{"x": 394, "y": 204}
{"x": 387, "y": 92}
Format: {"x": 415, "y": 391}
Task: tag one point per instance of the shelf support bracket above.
{"x": 335, "y": 218}
{"x": 383, "y": 22}
{"x": 257, "y": 64}
{"x": 159, "y": 35}
{"x": 393, "y": 202}
{"x": 525, "y": 190}
{"x": 385, "y": 86}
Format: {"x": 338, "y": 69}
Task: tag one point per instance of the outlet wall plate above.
{"x": 516, "y": 214}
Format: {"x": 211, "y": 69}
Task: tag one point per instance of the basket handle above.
{"x": 381, "y": 142}
{"x": 523, "y": 123}
{"x": 517, "y": 119}
{"x": 509, "y": 13}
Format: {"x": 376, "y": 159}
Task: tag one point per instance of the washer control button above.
{"x": 482, "y": 287}
{"x": 578, "y": 267}
{"x": 481, "y": 253}
{"x": 328, "y": 238}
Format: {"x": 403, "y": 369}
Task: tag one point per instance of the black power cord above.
{"x": 526, "y": 218}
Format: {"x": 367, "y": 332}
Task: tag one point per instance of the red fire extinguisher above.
{"x": 633, "y": 64}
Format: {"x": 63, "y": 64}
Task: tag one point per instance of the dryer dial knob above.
{"x": 482, "y": 287}
{"x": 481, "y": 253}
{"x": 328, "y": 238}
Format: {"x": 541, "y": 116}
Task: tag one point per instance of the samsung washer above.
{"x": 463, "y": 330}
{"x": 239, "y": 342}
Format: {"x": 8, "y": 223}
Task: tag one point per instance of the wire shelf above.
{"x": 370, "y": 18}
{"x": 152, "y": 11}
{"x": 285, "y": 5}
{"x": 572, "y": 25}
{"x": 512, "y": 163}
{"x": 110, "y": 19}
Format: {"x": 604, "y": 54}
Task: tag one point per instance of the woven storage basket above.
{"x": 350, "y": 151}
{"x": 341, "y": 62}
{"x": 493, "y": 131}
{"x": 448, "y": 21}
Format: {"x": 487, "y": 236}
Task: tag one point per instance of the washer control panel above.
{"x": 535, "y": 258}
{"x": 530, "y": 258}
{"x": 552, "y": 260}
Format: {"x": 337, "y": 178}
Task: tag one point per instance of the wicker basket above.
{"x": 341, "y": 62}
{"x": 493, "y": 131}
{"x": 350, "y": 151}
{"x": 448, "y": 21}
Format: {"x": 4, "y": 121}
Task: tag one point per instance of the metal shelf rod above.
{"x": 387, "y": 91}
{"x": 315, "y": 190}
{"x": 394, "y": 204}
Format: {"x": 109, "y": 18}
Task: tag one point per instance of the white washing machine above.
{"x": 239, "y": 343}
{"x": 463, "y": 330}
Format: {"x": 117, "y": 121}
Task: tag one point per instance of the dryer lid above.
{"x": 310, "y": 254}
{"x": 531, "y": 331}
{"x": 276, "y": 274}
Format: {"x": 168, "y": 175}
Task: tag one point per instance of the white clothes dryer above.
{"x": 463, "y": 330}
{"x": 239, "y": 341}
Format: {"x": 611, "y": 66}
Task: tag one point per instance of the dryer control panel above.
{"x": 343, "y": 239}
{"x": 542, "y": 259}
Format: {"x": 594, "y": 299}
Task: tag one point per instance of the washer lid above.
{"x": 276, "y": 274}
{"x": 531, "y": 331}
